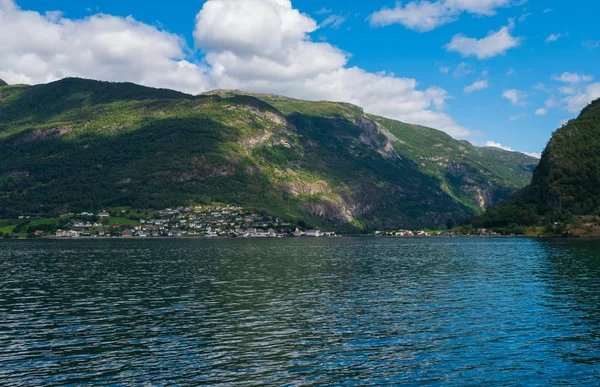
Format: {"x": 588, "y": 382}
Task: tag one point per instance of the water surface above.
{"x": 308, "y": 312}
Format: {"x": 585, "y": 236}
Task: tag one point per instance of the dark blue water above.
{"x": 300, "y": 312}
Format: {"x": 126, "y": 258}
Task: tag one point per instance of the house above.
{"x": 298, "y": 233}
{"x": 329, "y": 233}
{"x": 127, "y": 234}
{"x": 103, "y": 214}
{"x": 313, "y": 233}
{"x": 38, "y": 233}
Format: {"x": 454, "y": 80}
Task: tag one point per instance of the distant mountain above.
{"x": 566, "y": 182}
{"x": 84, "y": 145}
{"x": 2, "y": 83}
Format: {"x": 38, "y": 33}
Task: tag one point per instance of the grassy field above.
{"x": 123, "y": 221}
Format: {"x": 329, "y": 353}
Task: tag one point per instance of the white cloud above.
{"x": 275, "y": 54}
{"x": 516, "y": 97}
{"x": 554, "y": 37}
{"x": 477, "y": 85}
{"x": 462, "y": 70}
{"x": 256, "y": 45}
{"x": 572, "y": 78}
{"x": 511, "y": 72}
{"x": 423, "y": 15}
{"x": 541, "y": 112}
{"x": 524, "y": 17}
{"x": 334, "y": 21}
{"x": 548, "y": 10}
{"x": 551, "y": 103}
{"x": 444, "y": 69}
{"x": 494, "y": 44}
{"x": 40, "y": 48}
{"x": 577, "y": 102}
{"x": 569, "y": 90}
{"x": 542, "y": 87}
{"x": 493, "y": 144}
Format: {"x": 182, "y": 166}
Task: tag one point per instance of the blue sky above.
{"x": 539, "y": 71}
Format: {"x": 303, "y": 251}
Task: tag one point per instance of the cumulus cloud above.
{"x": 423, "y": 15}
{"x": 494, "y": 44}
{"x": 541, "y": 112}
{"x": 493, "y": 144}
{"x": 256, "y": 45}
{"x": 516, "y": 97}
{"x": 477, "y": 85}
{"x": 39, "y": 48}
{"x": 264, "y": 45}
{"x": 577, "y": 102}
{"x": 572, "y": 78}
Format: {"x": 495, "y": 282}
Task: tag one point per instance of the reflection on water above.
{"x": 300, "y": 312}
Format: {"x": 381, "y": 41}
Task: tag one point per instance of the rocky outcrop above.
{"x": 374, "y": 136}
{"x": 40, "y": 134}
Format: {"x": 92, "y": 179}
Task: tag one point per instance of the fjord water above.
{"x": 311, "y": 312}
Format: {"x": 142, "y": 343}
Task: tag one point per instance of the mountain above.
{"x": 80, "y": 144}
{"x": 566, "y": 182}
{"x": 2, "y": 83}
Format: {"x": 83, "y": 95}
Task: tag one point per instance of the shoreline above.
{"x": 349, "y": 236}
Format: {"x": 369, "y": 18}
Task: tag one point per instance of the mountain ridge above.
{"x": 325, "y": 163}
{"x": 566, "y": 182}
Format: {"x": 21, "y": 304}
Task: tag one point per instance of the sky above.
{"x": 503, "y": 73}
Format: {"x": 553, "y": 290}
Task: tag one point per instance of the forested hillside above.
{"x": 565, "y": 184}
{"x": 77, "y": 145}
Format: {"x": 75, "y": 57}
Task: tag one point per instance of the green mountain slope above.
{"x": 83, "y": 145}
{"x": 566, "y": 182}
{"x": 2, "y": 83}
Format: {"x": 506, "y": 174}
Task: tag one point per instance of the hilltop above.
{"x": 76, "y": 145}
{"x": 566, "y": 184}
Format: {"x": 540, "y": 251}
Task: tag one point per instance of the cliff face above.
{"x": 84, "y": 145}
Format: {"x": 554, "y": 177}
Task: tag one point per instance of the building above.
{"x": 313, "y": 233}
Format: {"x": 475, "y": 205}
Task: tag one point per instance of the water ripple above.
{"x": 344, "y": 312}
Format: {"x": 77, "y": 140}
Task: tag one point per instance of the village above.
{"x": 198, "y": 221}
{"x": 202, "y": 221}
{"x": 448, "y": 233}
